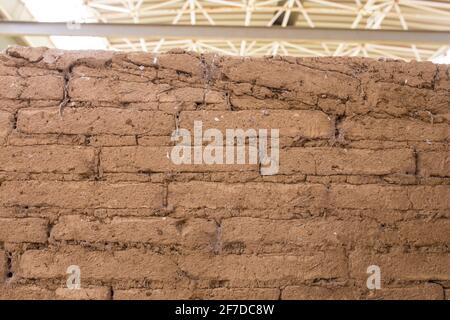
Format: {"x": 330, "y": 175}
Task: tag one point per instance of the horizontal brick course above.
{"x": 298, "y": 123}
{"x": 159, "y": 159}
{"x": 367, "y": 128}
{"x": 263, "y": 235}
{"x": 390, "y": 197}
{"x": 130, "y": 264}
{"x": 304, "y": 292}
{"x": 401, "y": 266}
{"x": 248, "y": 195}
{"x": 46, "y": 87}
{"x": 99, "y": 293}
{"x": 421, "y": 292}
{"x": 23, "y": 230}
{"x": 242, "y": 268}
{"x": 428, "y": 291}
{"x": 196, "y": 234}
{"x": 81, "y": 194}
{"x": 95, "y": 121}
{"x": 306, "y": 82}
{"x": 329, "y": 161}
{"x": 273, "y": 195}
{"x": 186, "y": 293}
{"x": 133, "y": 264}
{"x": 55, "y": 159}
{"x": 434, "y": 163}
{"x": 401, "y": 100}
{"x": 95, "y": 89}
{"x": 25, "y": 292}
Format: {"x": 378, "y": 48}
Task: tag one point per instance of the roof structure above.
{"x": 407, "y": 15}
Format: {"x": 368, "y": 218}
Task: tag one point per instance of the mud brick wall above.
{"x": 85, "y": 180}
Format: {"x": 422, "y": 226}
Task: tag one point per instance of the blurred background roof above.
{"x": 409, "y": 16}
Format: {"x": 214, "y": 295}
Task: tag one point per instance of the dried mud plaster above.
{"x": 85, "y": 177}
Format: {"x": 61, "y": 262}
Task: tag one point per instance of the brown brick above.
{"x": 240, "y": 294}
{"x": 248, "y": 195}
{"x": 306, "y": 82}
{"x": 152, "y": 294}
{"x": 366, "y": 128}
{"x": 413, "y": 266}
{"x": 96, "y": 293}
{"x": 25, "y": 292}
{"x": 191, "y": 233}
{"x": 30, "y": 54}
{"x": 274, "y": 195}
{"x": 265, "y": 235}
{"x": 389, "y": 197}
{"x": 112, "y": 140}
{"x": 428, "y": 291}
{"x": 23, "y": 230}
{"x": 185, "y": 293}
{"x": 46, "y": 87}
{"x": 81, "y": 194}
{"x": 329, "y": 161}
{"x": 240, "y": 269}
{"x": 6, "y": 124}
{"x": 192, "y": 95}
{"x": 434, "y": 164}
{"x": 252, "y": 103}
{"x": 23, "y": 139}
{"x": 3, "y": 266}
{"x": 55, "y": 159}
{"x": 139, "y": 58}
{"x": 185, "y": 62}
{"x": 414, "y": 73}
{"x": 132, "y": 264}
{"x": 95, "y": 121}
{"x": 304, "y": 292}
{"x": 127, "y": 74}
{"x": 12, "y": 105}
{"x": 369, "y": 197}
{"x": 402, "y": 100}
{"x": 291, "y": 123}
{"x": 7, "y": 70}
{"x": 421, "y": 292}
{"x": 430, "y": 197}
{"x": 109, "y": 90}
{"x": 417, "y": 232}
{"x": 158, "y": 159}
{"x": 32, "y": 71}
{"x": 11, "y": 87}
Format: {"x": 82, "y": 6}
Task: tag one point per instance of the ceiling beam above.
{"x": 20, "y": 28}
{"x": 16, "y": 10}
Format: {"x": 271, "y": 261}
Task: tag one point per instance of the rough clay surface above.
{"x": 85, "y": 180}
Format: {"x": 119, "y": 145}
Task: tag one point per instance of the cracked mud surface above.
{"x": 84, "y": 177}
